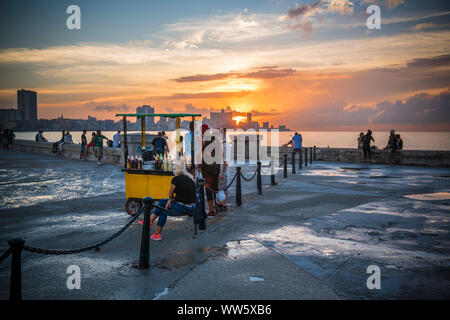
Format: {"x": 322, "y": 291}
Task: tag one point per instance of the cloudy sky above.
{"x": 312, "y": 65}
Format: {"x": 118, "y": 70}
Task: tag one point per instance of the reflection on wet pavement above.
{"x": 400, "y": 236}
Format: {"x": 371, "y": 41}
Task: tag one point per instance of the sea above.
{"x": 334, "y": 139}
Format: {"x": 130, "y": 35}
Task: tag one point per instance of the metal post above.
{"x": 15, "y": 287}
{"x": 300, "y": 159}
{"x": 293, "y": 161}
{"x": 310, "y": 155}
{"x": 285, "y": 165}
{"x": 144, "y": 255}
{"x": 272, "y": 173}
{"x": 125, "y": 141}
{"x": 314, "y": 153}
{"x": 202, "y": 222}
{"x": 306, "y": 157}
{"x": 143, "y": 133}
{"x": 238, "y": 186}
{"x": 258, "y": 178}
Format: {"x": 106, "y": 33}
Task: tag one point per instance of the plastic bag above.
{"x": 220, "y": 196}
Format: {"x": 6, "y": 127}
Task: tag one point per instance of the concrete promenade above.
{"x": 312, "y": 236}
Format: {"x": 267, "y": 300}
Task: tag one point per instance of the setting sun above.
{"x": 239, "y": 119}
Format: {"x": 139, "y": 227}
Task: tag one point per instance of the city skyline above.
{"x": 312, "y": 66}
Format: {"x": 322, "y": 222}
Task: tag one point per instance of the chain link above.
{"x": 254, "y": 175}
{"x": 5, "y": 255}
{"x": 73, "y": 251}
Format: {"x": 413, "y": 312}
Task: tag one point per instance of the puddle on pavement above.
{"x": 243, "y": 248}
{"x": 430, "y": 196}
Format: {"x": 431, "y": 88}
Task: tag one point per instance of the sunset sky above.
{"x": 312, "y": 65}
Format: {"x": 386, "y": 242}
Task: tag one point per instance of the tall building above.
{"x": 149, "y": 121}
{"x": 27, "y": 103}
{"x": 222, "y": 119}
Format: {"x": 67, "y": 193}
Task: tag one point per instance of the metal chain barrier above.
{"x": 73, "y": 251}
{"x": 254, "y": 175}
{"x": 226, "y": 188}
{"x": 5, "y": 255}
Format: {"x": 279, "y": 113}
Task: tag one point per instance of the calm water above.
{"x": 336, "y": 139}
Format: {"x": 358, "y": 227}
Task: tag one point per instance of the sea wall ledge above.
{"x": 404, "y": 157}
{"x": 71, "y": 151}
{"x": 346, "y": 155}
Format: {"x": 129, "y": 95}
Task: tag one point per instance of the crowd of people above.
{"x": 395, "y": 143}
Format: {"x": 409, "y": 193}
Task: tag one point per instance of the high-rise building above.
{"x": 27, "y": 103}
{"x": 149, "y": 121}
{"x": 222, "y": 119}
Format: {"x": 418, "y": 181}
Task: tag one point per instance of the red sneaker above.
{"x": 156, "y": 236}
{"x": 212, "y": 213}
{"x": 142, "y": 222}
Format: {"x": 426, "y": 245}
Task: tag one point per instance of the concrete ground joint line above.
{"x": 304, "y": 270}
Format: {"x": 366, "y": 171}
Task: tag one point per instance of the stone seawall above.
{"x": 404, "y": 157}
{"x": 71, "y": 151}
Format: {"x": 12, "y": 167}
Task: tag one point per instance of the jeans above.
{"x": 294, "y": 151}
{"x": 179, "y": 210}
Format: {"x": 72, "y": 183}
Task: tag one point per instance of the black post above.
{"x": 293, "y": 162}
{"x": 306, "y": 157}
{"x": 258, "y": 178}
{"x": 144, "y": 255}
{"x": 238, "y": 186}
{"x": 310, "y": 155}
{"x": 285, "y": 165}
{"x": 314, "y": 153}
{"x": 272, "y": 173}
{"x": 15, "y": 286}
{"x": 125, "y": 141}
{"x": 300, "y": 159}
{"x": 202, "y": 222}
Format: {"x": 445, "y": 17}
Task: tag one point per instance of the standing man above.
{"x": 116, "y": 141}
{"x": 83, "y": 145}
{"x": 98, "y": 140}
{"x": 296, "y": 142}
{"x": 159, "y": 144}
{"x": 392, "y": 146}
{"x": 367, "y": 151}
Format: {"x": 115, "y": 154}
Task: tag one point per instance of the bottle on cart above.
{"x": 128, "y": 162}
{"x": 141, "y": 162}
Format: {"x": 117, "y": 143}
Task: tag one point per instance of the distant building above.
{"x": 222, "y": 119}
{"x": 266, "y": 125}
{"x": 249, "y": 120}
{"x": 149, "y": 121}
{"x": 27, "y": 103}
{"x": 9, "y": 118}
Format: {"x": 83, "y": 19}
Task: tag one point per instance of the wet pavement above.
{"x": 312, "y": 236}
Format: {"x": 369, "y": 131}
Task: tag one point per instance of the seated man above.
{"x": 181, "y": 199}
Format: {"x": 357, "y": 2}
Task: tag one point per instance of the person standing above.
{"x": 367, "y": 151}
{"x": 83, "y": 145}
{"x": 224, "y": 172}
{"x": 210, "y": 173}
{"x": 360, "y": 140}
{"x": 159, "y": 144}
{"x": 5, "y": 139}
{"x": 297, "y": 144}
{"x": 98, "y": 140}
{"x": 392, "y": 146}
{"x": 116, "y": 141}
{"x": 11, "y": 137}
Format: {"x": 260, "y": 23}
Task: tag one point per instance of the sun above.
{"x": 239, "y": 119}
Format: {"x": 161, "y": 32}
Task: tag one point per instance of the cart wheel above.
{"x": 133, "y": 206}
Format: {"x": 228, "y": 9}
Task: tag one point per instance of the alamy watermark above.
{"x": 74, "y": 280}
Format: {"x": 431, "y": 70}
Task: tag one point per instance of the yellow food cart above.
{"x": 149, "y": 181}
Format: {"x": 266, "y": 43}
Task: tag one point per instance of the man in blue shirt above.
{"x": 296, "y": 142}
